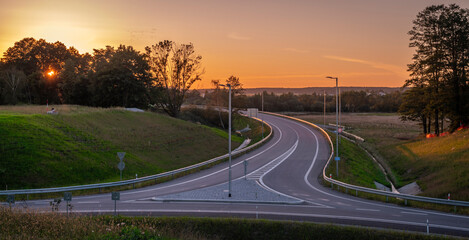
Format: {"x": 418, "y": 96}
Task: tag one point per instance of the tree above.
{"x": 414, "y": 107}
{"x": 120, "y": 77}
{"x": 13, "y": 80}
{"x": 175, "y": 67}
{"x": 35, "y": 58}
{"x": 440, "y": 36}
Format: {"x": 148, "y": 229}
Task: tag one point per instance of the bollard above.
{"x": 406, "y": 202}
{"x": 257, "y": 213}
{"x": 449, "y": 196}
{"x": 428, "y": 228}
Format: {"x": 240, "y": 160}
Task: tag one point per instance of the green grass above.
{"x": 224, "y": 134}
{"x": 26, "y": 225}
{"x": 79, "y": 145}
{"x": 439, "y": 165}
{"x": 355, "y": 167}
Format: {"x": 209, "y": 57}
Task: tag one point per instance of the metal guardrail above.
{"x": 138, "y": 180}
{"x": 370, "y": 190}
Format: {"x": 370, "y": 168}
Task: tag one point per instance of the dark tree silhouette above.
{"x": 175, "y": 67}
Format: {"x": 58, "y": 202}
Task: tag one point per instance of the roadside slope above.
{"x": 79, "y": 145}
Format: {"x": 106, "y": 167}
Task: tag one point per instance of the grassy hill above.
{"x": 79, "y": 145}
{"x": 440, "y": 165}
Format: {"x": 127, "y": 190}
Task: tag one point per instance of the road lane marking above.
{"x": 353, "y": 200}
{"x": 465, "y": 229}
{"x": 415, "y": 213}
{"x": 89, "y": 202}
{"x": 367, "y": 209}
{"x": 216, "y": 172}
{"x": 288, "y": 154}
{"x": 343, "y": 204}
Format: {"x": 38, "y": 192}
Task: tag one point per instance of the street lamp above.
{"x": 229, "y": 136}
{"x": 337, "y": 158}
{"x": 262, "y": 118}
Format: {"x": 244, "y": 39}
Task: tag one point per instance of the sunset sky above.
{"x": 266, "y": 43}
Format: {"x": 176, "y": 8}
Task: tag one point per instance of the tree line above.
{"x": 438, "y": 80}
{"x": 38, "y": 72}
{"x": 351, "y": 101}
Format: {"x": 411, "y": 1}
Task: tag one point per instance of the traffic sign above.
{"x": 337, "y": 158}
{"x": 340, "y": 130}
{"x": 68, "y": 196}
{"x": 121, "y": 155}
{"x": 116, "y": 196}
{"x": 10, "y": 198}
{"x": 121, "y": 165}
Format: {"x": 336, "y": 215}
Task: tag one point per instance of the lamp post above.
{"x": 324, "y": 109}
{"x": 337, "y": 158}
{"x": 229, "y": 137}
{"x": 261, "y": 115}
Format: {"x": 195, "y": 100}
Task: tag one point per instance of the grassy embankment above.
{"x": 29, "y": 225}
{"x": 439, "y": 165}
{"x": 79, "y": 145}
{"x": 355, "y": 167}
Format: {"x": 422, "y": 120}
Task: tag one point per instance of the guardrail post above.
{"x": 428, "y": 228}
{"x": 386, "y": 198}
{"x": 406, "y": 202}
{"x": 356, "y": 193}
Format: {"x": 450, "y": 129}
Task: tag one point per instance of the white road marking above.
{"x": 415, "y": 213}
{"x": 343, "y": 204}
{"x": 353, "y": 200}
{"x": 205, "y": 176}
{"x": 280, "y": 214}
{"x": 367, "y": 209}
{"x": 90, "y": 202}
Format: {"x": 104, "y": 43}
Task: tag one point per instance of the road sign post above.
{"x": 115, "y": 196}
{"x": 245, "y": 169}
{"x": 121, "y": 164}
{"x": 68, "y": 199}
{"x": 10, "y": 200}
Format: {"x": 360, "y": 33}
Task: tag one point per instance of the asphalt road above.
{"x": 300, "y": 152}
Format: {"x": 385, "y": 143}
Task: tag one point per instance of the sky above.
{"x": 266, "y": 43}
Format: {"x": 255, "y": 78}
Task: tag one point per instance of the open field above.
{"x": 79, "y": 145}
{"x": 30, "y": 225}
{"x": 439, "y": 165}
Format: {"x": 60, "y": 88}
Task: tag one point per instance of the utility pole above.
{"x": 229, "y": 137}
{"x": 262, "y": 118}
{"x": 337, "y": 158}
{"x": 324, "y": 108}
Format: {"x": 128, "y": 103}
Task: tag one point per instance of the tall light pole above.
{"x": 262, "y": 118}
{"x": 229, "y": 137}
{"x": 324, "y": 109}
{"x": 337, "y": 158}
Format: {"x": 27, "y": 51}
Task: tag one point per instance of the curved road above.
{"x": 296, "y": 175}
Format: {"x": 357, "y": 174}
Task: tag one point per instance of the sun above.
{"x": 51, "y": 73}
